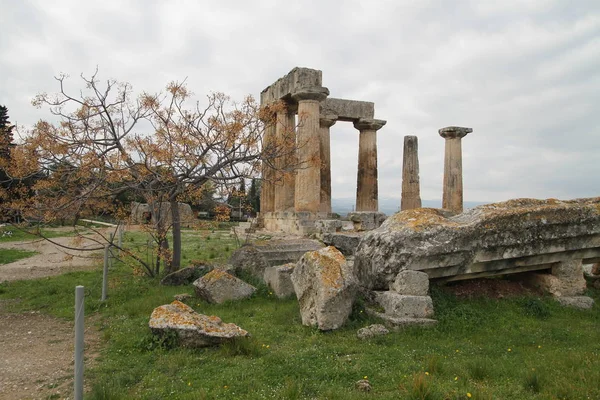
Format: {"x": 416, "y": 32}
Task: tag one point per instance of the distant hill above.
{"x": 388, "y": 206}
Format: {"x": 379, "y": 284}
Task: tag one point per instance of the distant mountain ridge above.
{"x": 389, "y": 206}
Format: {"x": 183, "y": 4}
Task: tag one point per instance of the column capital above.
{"x": 317, "y": 93}
{"x": 453, "y": 132}
{"x": 328, "y": 120}
{"x": 369, "y": 124}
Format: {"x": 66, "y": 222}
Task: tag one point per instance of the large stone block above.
{"x": 366, "y": 220}
{"x": 325, "y": 288}
{"x": 402, "y": 306}
{"x": 192, "y": 329}
{"x": 279, "y": 279}
{"x": 413, "y": 283}
{"x": 514, "y": 236}
{"x": 218, "y": 287}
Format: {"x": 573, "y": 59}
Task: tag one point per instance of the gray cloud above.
{"x": 524, "y": 74}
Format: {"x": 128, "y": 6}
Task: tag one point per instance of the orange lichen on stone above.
{"x": 421, "y": 218}
{"x": 216, "y": 274}
{"x": 331, "y": 261}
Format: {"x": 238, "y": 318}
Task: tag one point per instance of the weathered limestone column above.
{"x": 286, "y": 141}
{"x": 453, "y": 184}
{"x": 327, "y": 121}
{"x": 366, "y": 187}
{"x": 411, "y": 190}
{"x": 267, "y": 192}
{"x": 308, "y": 175}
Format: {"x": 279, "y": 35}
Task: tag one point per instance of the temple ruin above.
{"x": 291, "y": 201}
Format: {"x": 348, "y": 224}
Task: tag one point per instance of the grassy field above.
{"x": 512, "y": 348}
{"x": 11, "y": 255}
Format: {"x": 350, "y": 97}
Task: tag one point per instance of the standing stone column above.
{"x": 267, "y": 192}
{"x": 308, "y": 175}
{"x": 411, "y": 190}
{"x": 366, "y": 187}
{"x": 286, "y": 148}
{"x": 327, "y": 121}
{"x": 453, "y": 184}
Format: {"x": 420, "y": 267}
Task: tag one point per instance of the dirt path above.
{"x": 36, "y": 350}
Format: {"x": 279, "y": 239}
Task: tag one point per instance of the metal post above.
{"x": 111, "y": 255}
{"x": 105, "y": 272}
{"x": 79, "y": 328}
{"x": 121, "y": 228}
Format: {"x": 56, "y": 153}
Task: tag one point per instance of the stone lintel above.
{"x": 316, "y": 93}
{"x": 452, "y": 132}
{"x": 295, "y": 80}
{"x": 369, "y": 124}
{"x": 348, "y": 110}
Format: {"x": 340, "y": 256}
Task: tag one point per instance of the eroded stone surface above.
{"x": 279, "y": 279}
{"x": 192, "y": 329}
{"x": 414, "y": 283}
{"x": 514, "y": 236}
{"x": 218, "y": 287}
{"x": 325, "y": 288}
{"x": 579, "y": 302}
{"x": 372, "y": 331}
{"x": 403, "y": 306}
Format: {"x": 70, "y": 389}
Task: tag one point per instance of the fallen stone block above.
{"x": 396, "y": 323}
{"x": 192, "y": 329}
{"x": 403, "y": 306}
{"x": 372, "y": 331}
{"x": 325, "y": 288}
{"x": 185, "y": 276}
{"x": 555, "y": 285}
{"x": 413, "y": 283}
{"x": 218, "y": 287}
{"x": 279, "y": 279}
{"x": 579, "y": 302}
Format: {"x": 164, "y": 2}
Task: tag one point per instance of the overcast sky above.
{"x": 525, "y": 75}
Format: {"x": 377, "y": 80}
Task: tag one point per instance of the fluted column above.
{"x": 411, "y": 190}
{"x": 286, "y": 140}
{"x": 267, "y": 191}
{"x": 453, "y": 184}
{"x": 366, "y": 187}
{"x": 308, "y": 175}
{"x": 326, "y": 121}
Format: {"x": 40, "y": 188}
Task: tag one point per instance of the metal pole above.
{"x": 111, "y": 255}
{"x": 105, "y": 272}
{"x": 121, "y": 228}
{"x": 79, "y": 327}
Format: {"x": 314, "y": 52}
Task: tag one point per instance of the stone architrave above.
{"x": 267, "y": 192}
{"x": 284, "y": 187}
{"x": 327, "y": 121}
{"x": 366, "y": 188}
{"x": 453, "y": 182}
{"x": 411, "y": 191}
{"x": 308, "y": 175}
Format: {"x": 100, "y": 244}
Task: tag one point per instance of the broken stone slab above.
{"x": 185, "y": 276}
{"x": 414, "y": 283}
{"x": 579, "y": 302}
{"x": 403, "y": 306}
{"x": 182, "y": 297}
{"x": 366, "y": 220}
{"x": 371, "y": 331}
{"x": 397, "y": 323}
{"x": 192, "y": 329}
{"x": 218, "y": 287}
{"x": 494, "y": 239}
{"x": 557, "y": 286}
{"x": 279, "y": 279}
{"x": 325, "y": 288}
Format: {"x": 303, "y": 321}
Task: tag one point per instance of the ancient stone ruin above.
{"x": 291, "y": 201}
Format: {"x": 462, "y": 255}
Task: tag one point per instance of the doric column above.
{"x": 308, "y": 175}
{"x": 327, "y": 121}
{"x": 453, "y": 185}
{"x": 411, "y": 191}
{"x": 286, "y": 141}
{"x": 366, "y": 187}
{"x": 267, "y": 191}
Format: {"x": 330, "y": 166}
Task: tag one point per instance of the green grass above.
{"x": 10, "y": 233}
{"x": 11, "y": 255}
{"x": 519, "y": 348}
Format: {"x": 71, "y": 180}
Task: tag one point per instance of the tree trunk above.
{"x": 176, "y": 221}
